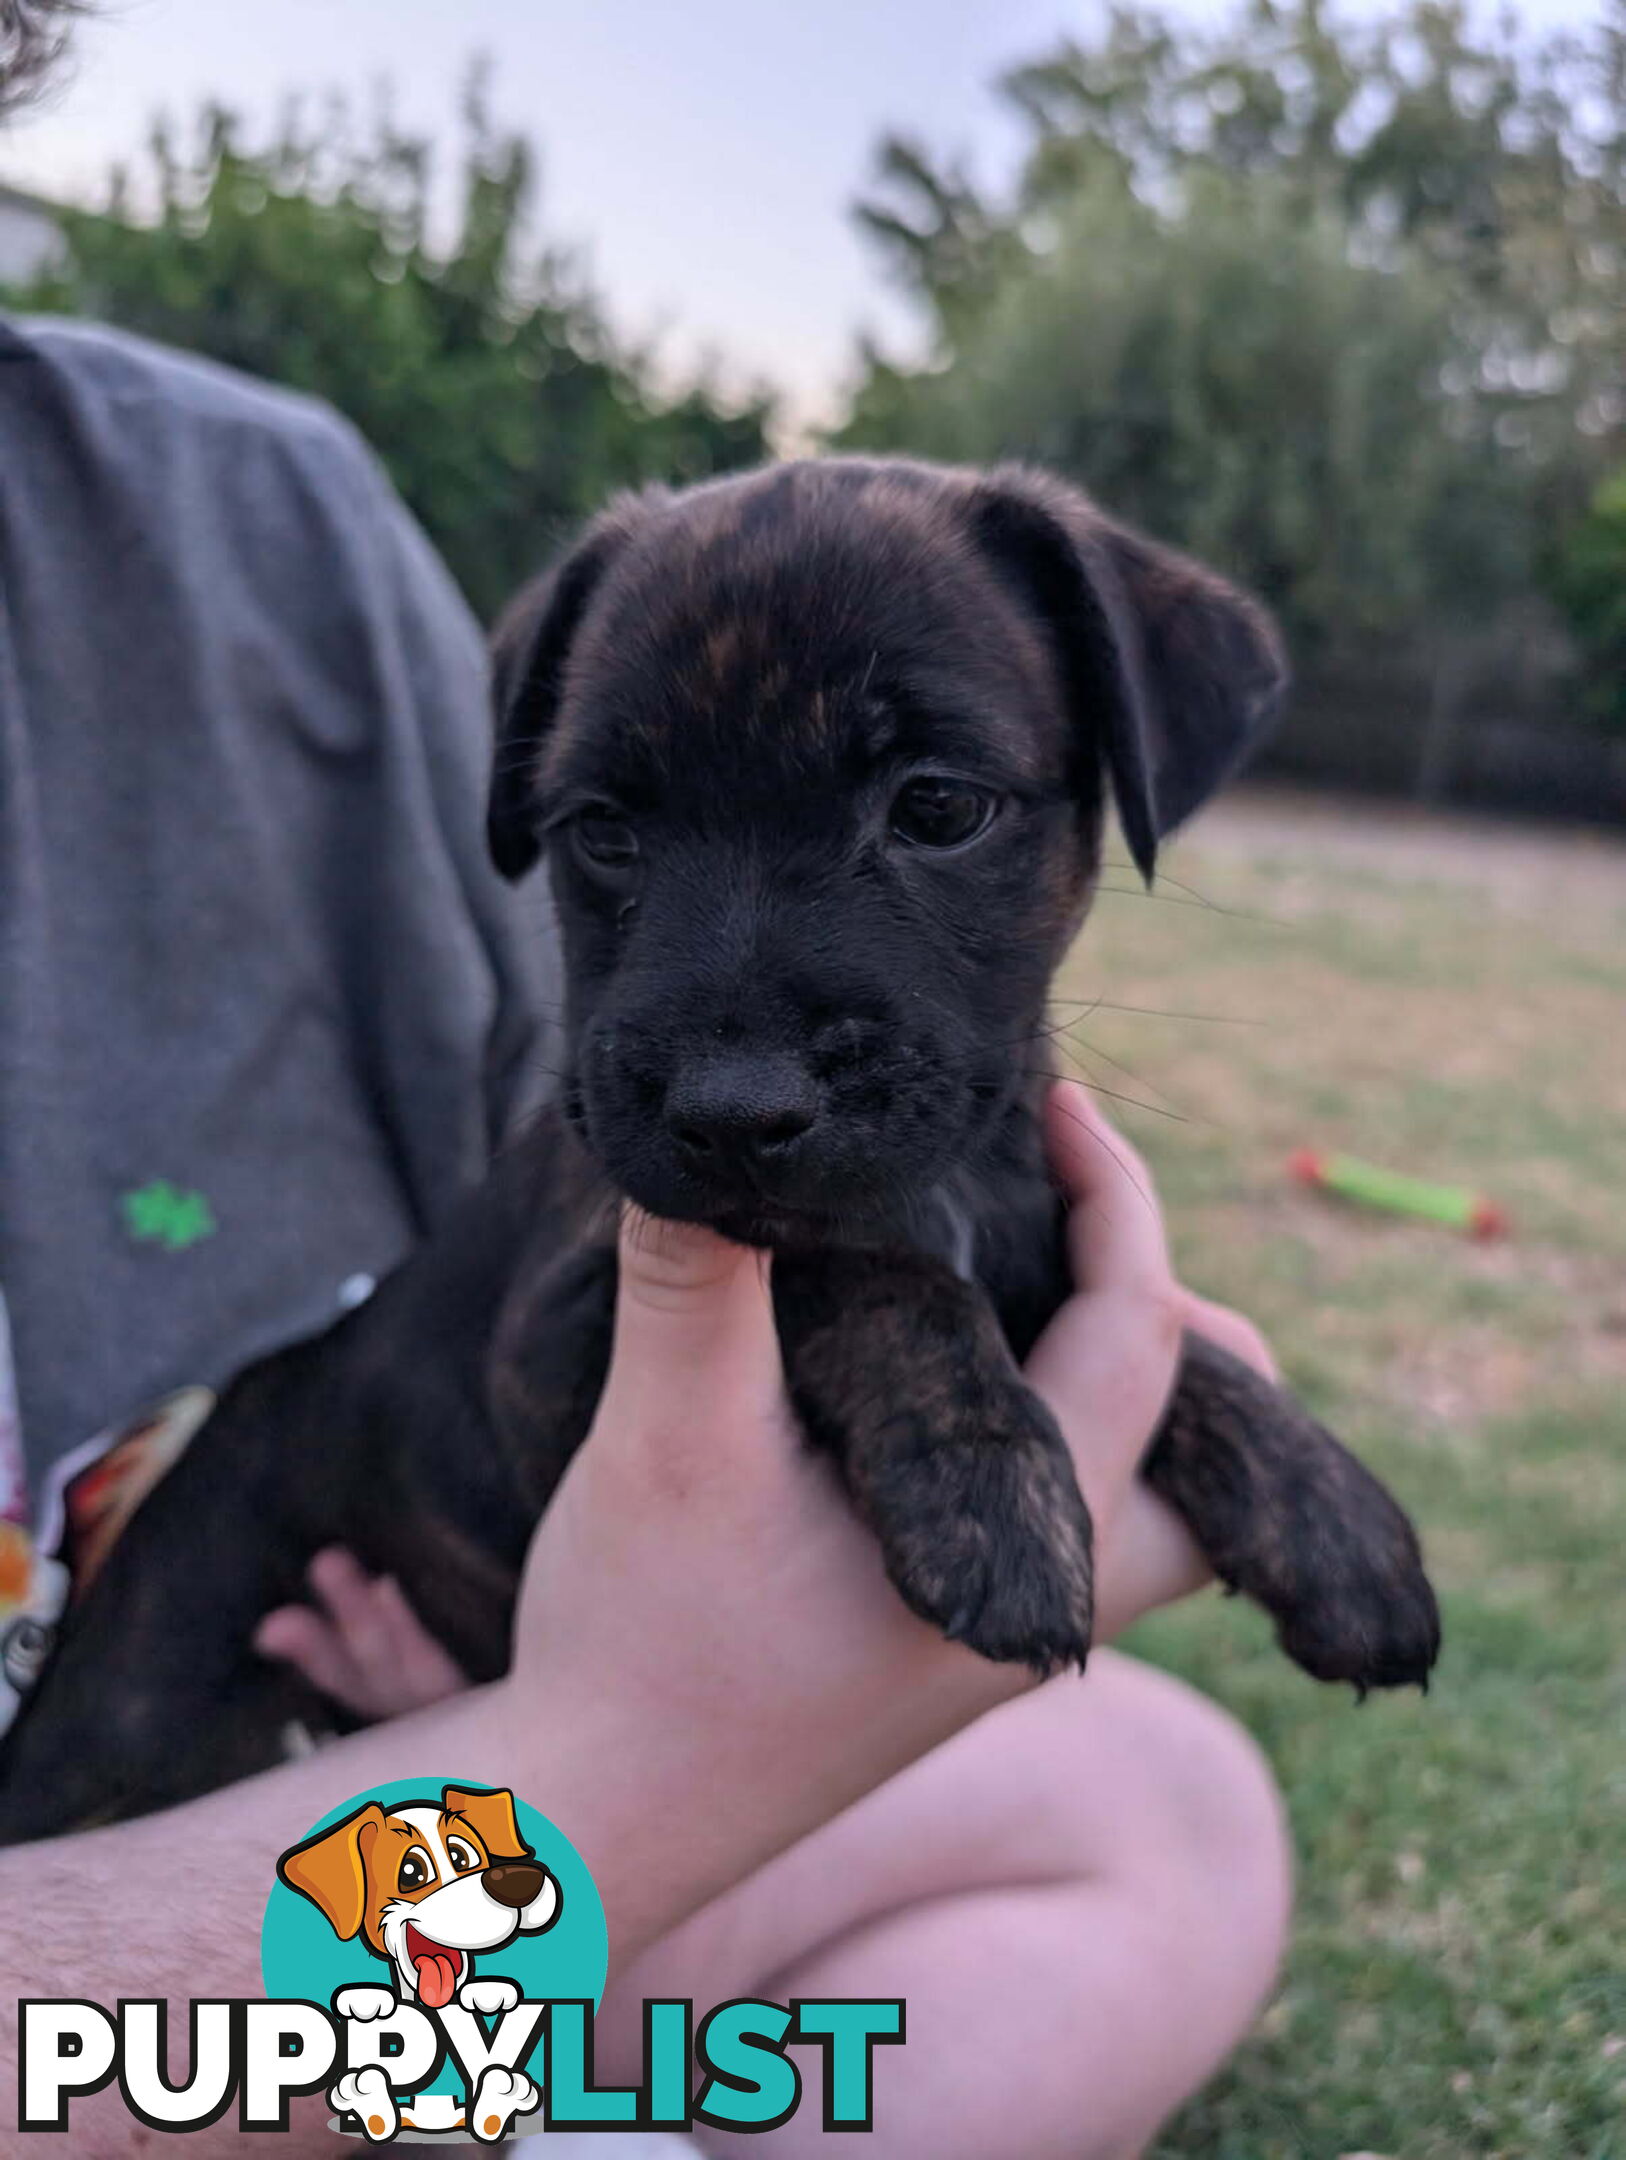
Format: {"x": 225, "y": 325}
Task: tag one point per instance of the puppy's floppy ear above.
{"x": 530, "y": 653}
{"x": 1181, "y": 674}
{"x": 491, "y": 1817}
{"x": 331, "y": 1869}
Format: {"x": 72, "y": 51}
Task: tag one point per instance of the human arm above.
{"x": 708, "y": 1659}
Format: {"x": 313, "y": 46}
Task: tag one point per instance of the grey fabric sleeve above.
{"x": 264, "y": 1006}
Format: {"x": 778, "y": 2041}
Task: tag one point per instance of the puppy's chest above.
{"x": 1005, "y": 1232}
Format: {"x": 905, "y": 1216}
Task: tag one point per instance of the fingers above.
{"x": 345, "y": 1591}
{"x": 1233, "y": 1331}
{"x": 695, "y": 1357}
{"x": 424, "y": 1670}
{"x": 298, "y": 1636}
{"x": 1106, "y": 1363}
{"x": 1114, "y": 1224}
{"x": 365, "y": 1647}
{"x": 1151, "y": 1559}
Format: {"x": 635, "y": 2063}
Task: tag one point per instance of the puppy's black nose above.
{"x": 742, "y": 1110}
{"x": 514, "y": 1882}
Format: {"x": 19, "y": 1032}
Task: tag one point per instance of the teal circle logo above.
{"x": 426, "y": 1887}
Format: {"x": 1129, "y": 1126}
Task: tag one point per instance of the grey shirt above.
{"x": 264, "y": 1006}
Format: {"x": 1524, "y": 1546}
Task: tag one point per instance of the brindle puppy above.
{"x": 820, "y": 759}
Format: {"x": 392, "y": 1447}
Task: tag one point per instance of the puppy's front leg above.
{"x": 1288, "y": 1517}
{"x": 901, "y": 1371}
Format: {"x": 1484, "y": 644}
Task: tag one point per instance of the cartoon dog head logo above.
{"x": 426, "y": 1885}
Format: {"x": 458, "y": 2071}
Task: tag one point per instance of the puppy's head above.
{"x": 820, "y": 757}
{"x": 426, "y": 1884}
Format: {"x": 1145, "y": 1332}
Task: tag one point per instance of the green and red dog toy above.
{"x": 1457, "y": 1207}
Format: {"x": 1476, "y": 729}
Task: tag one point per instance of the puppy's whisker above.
{"x": 1162, "y": 877}
{"x": 1047, "y": 1031}
{"x": 1208, "y": 907}
{"x": 1140, "y": 1079}
{"x": 1159, "y": 1012}
{"x": 1067, "y": 1029}
{"x": 1133, "y": 1102}
{"x": 1101, "y": 1140}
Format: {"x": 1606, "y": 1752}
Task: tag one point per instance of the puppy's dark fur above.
{"x": 820, "y": 758}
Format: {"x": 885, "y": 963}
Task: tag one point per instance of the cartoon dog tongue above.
{"x": 437, "y": 1969}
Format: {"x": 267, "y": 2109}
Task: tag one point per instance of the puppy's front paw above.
{"x": 988, "y": 1537}
{"x": 489, "y": 1998}
{"x": 1364, "y": 1611}
{"x": 500, "y": 2096}
{"x": 364, "y": 2004}
{"x": 366, "y": 2094}
{"x": 968, "y": 1486}
{"x": 1290, "y": 1518}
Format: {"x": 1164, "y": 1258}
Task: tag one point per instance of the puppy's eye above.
{"x": 604, "y": 840}
{"x": 415, "y": 1870}
{"x": 463, "y": 1857}
{"x": 936, "y": 813}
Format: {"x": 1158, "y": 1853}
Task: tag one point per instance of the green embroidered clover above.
{"x": 161, "y": 1213}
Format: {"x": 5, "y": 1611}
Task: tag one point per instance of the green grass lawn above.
{"x": 1458, "y": 1981}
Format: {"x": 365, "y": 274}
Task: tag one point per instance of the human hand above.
{"x": 766, "y": 1545}
{"x": 700, "y": 1573}
{"x": 361, "y": 1643}
{"x": 1107, "y": 1362}
{"x": 709, "y": 1577}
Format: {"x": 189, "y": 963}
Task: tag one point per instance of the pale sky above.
{"x": 701, "y": 153}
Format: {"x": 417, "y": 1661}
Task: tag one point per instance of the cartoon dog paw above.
{"x": 364, "y": 2003}
{"x": 488, "y": 1997}
{"x": 500, "y": 2096}
{"x": 366, "y": 2093}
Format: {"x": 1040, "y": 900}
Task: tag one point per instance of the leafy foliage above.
{"x": 1590, "y": 580}
{"x": 486, "y": 379}
{"x": 1340, "y": 306}
{"x": 1231, "y": 379}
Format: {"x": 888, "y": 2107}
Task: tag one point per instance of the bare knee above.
{"x": 1214, "y": 1825}
{"x": 1140, "y": 1781}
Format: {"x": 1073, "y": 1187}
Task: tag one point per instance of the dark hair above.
{"x": 32, "y": 35}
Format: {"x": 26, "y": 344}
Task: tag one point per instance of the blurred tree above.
{"x": 485, "y": 377}
{"x": 1589, "y": 578}
{"x": 1229, "y": 377}
{"x": 1341, "y": 305}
